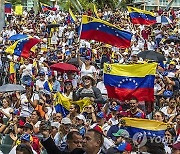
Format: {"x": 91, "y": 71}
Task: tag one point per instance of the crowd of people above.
{"x": 30, "y": 118}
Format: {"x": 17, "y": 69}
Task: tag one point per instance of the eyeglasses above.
{"x": 88, "y": 107}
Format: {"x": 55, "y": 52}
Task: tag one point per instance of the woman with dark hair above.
{"x": 68, "y": 89}
{"x": 73, "y": 112}
{"x": 6, "y": 109}
{"x": 35, "y": 120}
{"x": 170, "y": 137}
{"x": 159, "y": 116}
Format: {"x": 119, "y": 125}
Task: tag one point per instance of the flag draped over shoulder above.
{"x": 127, "y": 81}
{"x": 102, "y": 31}
{"x": 46, "y": 7}
{"x": 62, "y": 104}
{"x": 22, "y": 47}
{"x": 7, "y": 7}
{"x": 142, "y": 17}
{"x": 145, "y": 126}
{"x": 73, "y": 17}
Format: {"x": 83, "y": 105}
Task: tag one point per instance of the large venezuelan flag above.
{"x": 127, "y": 81}
{"x": 102, "y": 31}
{"x": 142, "y": 17}
{"x": 145, "y": 126}
{"x": 22, "y": 47}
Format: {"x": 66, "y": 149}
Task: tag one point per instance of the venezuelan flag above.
{"x": 142, "y": 17}
{"x": 73, "y": 17}
{"x": 22, "y": 47}
{"x": 102, "y": 31}
{"x": 17, "y": 37}
{"x": 7, "y": 7}
{"x": 46, "y": 7}
{"x": 127, "y": 81}
{"x": 95, "y": 11}
{"x": 62, "y": 104}
{"x": 145, "y": 126}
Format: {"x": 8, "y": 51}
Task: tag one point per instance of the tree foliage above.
{"x": 100, "y": 4}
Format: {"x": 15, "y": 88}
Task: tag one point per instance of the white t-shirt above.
{"x": 27, "y": 70}
{"x": 102, "y": 87}
{"x": 84, "y": 71}
{"x": 7, "y": 110}
{"x": 150, "y": 45}
{"x": 37, "y": 125}
{"x": 165, "y": 111}
{"x": 40, "y": 84}
{"x": 26, "y": 107}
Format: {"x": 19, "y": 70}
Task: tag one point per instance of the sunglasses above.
{"x": 68, "y": 84}
{"x": 87, "y": 78}
{"x": 88, "y": 107}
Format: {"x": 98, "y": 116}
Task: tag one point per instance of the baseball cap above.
{"x": 98, "y": 129}
{"x": 28, "y": 83}
{"x": 41, "y": 73}
{"x": 101, "y": 115}
{"x": 66, "y": 121}
{"x": 81, "y": 117}
{"x": 55, "y": 124}
{"x": 172, "y": 63}
{"x": 28, "y": 125}
{"x": 16, "y": 112}
{"x": 87, "y": 58}
{"x": 26, "y": 137}
{"x": 50, "y": 73}
{"x": 121, "y": 133}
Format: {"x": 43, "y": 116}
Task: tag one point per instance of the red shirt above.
{"x": 138, "y": 114}
{"x": 145, "y": 34}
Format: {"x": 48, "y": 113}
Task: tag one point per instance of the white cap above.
{"x": 66, "y": 121}
{"x": 171, "y": 75}
{"x": 81, "y": 117}
{"x": 172, "y": 43}
{"x": 55, "y": 124}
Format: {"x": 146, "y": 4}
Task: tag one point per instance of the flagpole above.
{"x": 2, "y": 14}
{"x": 80, "y": 33}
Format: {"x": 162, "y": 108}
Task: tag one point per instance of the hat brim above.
{"x": 116, "y": 135}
